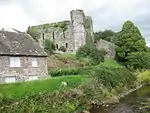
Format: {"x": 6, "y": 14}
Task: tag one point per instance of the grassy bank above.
{"x": 18, "y": 90}
{"x": 91, "y": 84}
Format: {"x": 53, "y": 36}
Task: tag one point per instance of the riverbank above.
{"x": 137, "y": 101}
{"x": 104, "y": 84}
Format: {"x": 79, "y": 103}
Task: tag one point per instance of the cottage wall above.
{"x": 22, "y": 73}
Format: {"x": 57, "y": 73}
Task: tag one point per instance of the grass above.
{"x": 70, "y": 56}
{"x": 19, "y": 90}
{"x": 112, "y": 63}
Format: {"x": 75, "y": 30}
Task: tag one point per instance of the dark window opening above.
{"x": 43, "y": 36}
{"x": 56, "y": 46}
{"x": 66, "y": 45}
{"x": 53, "y": 35}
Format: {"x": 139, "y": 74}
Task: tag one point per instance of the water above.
{"x": 136, "y": 102}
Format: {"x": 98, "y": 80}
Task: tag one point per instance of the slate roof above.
{"x": 19, "y": 44}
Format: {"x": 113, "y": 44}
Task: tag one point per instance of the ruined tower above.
{"x": 79, "y": 33}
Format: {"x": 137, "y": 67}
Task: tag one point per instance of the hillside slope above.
{"x": 63, "y": 61}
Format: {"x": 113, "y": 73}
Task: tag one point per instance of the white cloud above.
{"x": 13, "y": 16}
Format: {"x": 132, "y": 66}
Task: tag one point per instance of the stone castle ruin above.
{"x": 70, "y": 34}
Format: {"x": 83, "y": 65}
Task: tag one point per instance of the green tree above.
{"x": 49, "y": 46}
{"x": 106, "y": 35}
{"x": 129, "y": 40}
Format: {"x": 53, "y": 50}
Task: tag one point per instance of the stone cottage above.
{"x": 21, "y": 58}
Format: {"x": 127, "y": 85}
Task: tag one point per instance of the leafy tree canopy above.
{"x": 129, "y": 40}
{"x": 106, "y": 35}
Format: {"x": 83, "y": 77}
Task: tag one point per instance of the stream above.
{"x": 136, "y": 102}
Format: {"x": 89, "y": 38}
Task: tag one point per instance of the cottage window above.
{"x": 10, "y": 79}
{"x": 34, "y": 62}
{"x": 33, "y": 78}
{"x": 15, "y": 62}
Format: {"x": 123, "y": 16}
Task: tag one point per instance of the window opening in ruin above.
{"x": 56, "y": 46}
{"x": 43, "y": 36}
{"x": 66, "y": 45}
{"x": 53, "y": 35}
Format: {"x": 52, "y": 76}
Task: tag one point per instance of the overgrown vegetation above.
{"x": 62, "y": 25}
{"x": 95, "y": 89}
{"x": 94, "y": 55}
{"x": 34, "y": 33}
{"x": 108, "y": 35}
{"x": 62, "y": 48}
{"x": 49, "y": 46}
{"x": 144, "y": 77}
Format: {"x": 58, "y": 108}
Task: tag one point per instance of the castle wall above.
{"x": 70, "y": 34}
{"x": 78, "y": 19}
{"x": 108, "y": 47}
{"x": 89, "y": 30}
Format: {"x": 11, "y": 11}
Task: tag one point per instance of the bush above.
{"x": 144, "y": 77}
{"x": 71, "y": 71}
{"x": 49, "y": 46}
{"x": 138, "y": 60}
{"x": 94, "y": 55}
{"x": 62, "y": 48}
{"x": 61, "y": 72}
{"x": 113, "y": 77}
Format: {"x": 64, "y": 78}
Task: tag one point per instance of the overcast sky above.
{"x": 106, "y": 14}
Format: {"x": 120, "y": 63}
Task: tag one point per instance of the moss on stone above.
{"x": 62, "y": 25}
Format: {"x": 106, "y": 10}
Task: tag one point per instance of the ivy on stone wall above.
{"x": 62, "y": 25}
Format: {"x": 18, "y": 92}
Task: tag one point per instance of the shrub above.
{"x": 61, "y": 72}
{"x": 94, "y": 55}
{"x": 113, "y": 77}
{"x": 62, "y": 48}
{"x": 144, "y": 77}
{"x": 49, "y": 46}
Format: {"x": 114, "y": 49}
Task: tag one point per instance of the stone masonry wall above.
{"x": 22, "y": 73}
{"x": 70, "y": 34}
{"x": 79, "y": 33}
{"x": 108, "y": 47}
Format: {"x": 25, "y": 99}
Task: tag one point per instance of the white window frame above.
{"x": 33, "y": 77}
{"x": 15, "y": 62}
{"x": 34, "y": 62}
{"x": 10, "y": 79}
